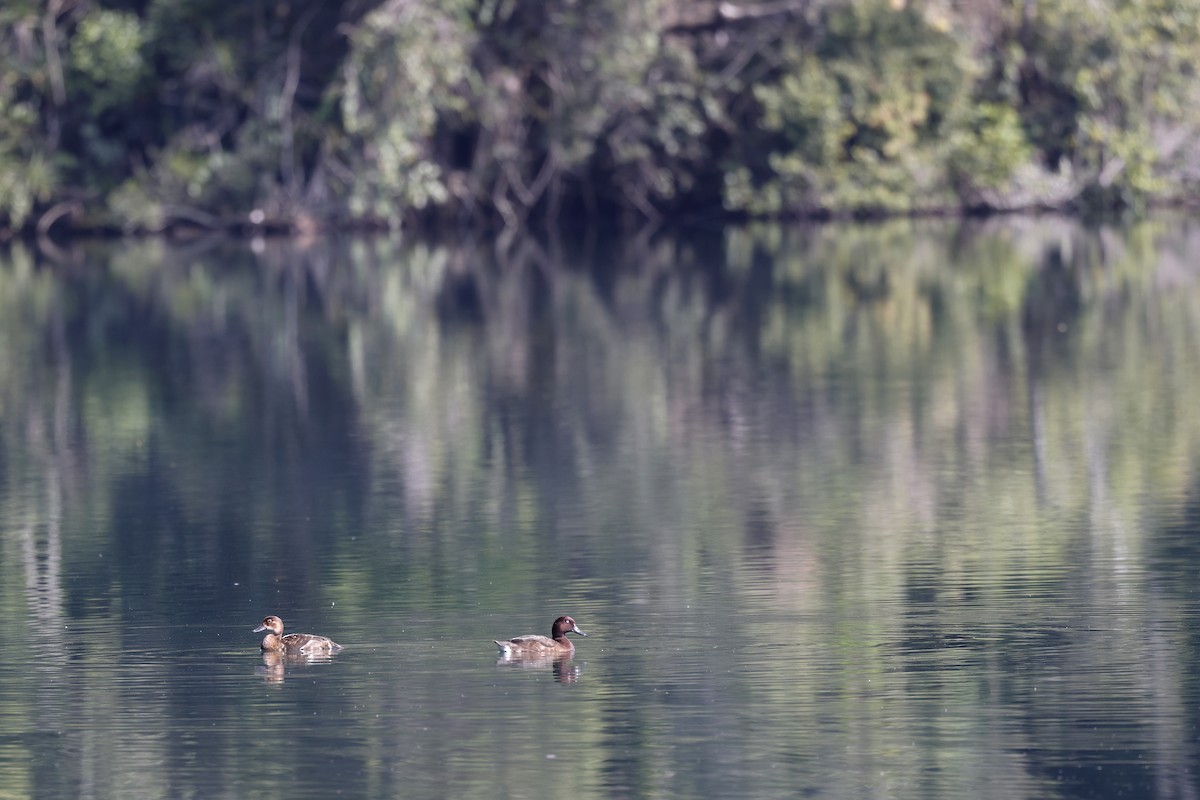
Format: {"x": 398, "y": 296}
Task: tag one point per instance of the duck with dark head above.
{"x": 537, "y": 646}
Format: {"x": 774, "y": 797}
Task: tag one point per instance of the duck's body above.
{"x": 294, "y": 642}
{"x": 536, "y": 646}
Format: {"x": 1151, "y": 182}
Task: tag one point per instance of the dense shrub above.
{"x": 148, "y": 114}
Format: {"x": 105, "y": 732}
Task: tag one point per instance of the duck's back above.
{"x": 309, "y": 643}
{"x": 530, "y": 643}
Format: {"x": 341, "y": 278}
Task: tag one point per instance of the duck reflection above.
{"x": 559, "y": 664}
{"x": 277, "y": 662}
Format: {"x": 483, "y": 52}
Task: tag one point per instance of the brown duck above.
{"x": 294, "y": 642}
{"x": 536, "y": 646}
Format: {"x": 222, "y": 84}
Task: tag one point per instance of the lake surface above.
{"x": 908, "y": 510}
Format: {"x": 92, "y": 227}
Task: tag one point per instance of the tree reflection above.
{"x": 918, "y": 434}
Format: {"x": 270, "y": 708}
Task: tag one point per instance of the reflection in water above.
{"x": 893, "y": 510}
{"x": 275, "y": 663}
{"x": 560, "y": 666}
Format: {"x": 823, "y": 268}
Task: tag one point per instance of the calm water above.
{"x": 907, "y": 510}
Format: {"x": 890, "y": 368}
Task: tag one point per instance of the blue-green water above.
{"x": 905, "y": 510}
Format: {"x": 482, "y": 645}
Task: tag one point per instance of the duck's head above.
{"x": 563, "y": 626}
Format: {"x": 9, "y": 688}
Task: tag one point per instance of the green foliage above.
{"x": 985, "y": 152}
{"x": 106, "y": 61}
{"x": 1112, "y": 87}
{"x": 855, "y": 119}
{"x": 29, "y": 174}
{"x": 595, "y": 105}
{"x": 202, "y": 111}
{"x": 406, "y": 70}
{"x": 654, "y": 149}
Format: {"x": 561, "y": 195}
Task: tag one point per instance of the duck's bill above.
{"x": 579, "y": 631}
{"x": 259, "y": 629}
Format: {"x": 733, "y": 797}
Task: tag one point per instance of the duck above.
{"x": 294, "y": 642}
{"x": 536, "y": 646}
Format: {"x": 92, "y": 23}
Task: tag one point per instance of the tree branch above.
{"x": 290, "y": 86}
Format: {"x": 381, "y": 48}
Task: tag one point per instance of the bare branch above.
{"x": 54, "y": 214}
{"x": 290, "y": 85}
